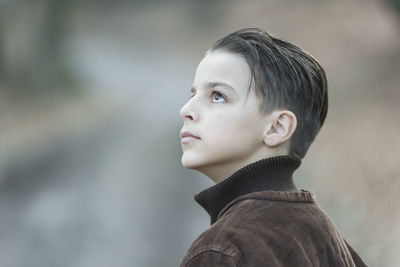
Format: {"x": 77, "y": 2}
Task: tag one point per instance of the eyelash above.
{"x": 212, "y": 94}
{"x": 216, "y": 92}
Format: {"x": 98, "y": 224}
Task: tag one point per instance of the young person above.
{"x": 256, "y": 105}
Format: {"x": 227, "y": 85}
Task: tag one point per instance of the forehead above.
{"x": 223, "y": 67}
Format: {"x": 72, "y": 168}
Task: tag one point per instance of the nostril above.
{"x": 191, "y": 116}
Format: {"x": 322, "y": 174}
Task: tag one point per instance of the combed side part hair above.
{"x": 285, "y": 77}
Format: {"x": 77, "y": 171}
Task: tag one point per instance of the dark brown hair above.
{"x": 286, "y": 77}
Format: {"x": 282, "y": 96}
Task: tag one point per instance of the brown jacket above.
{"x": 272, "y": 228}
{"x": 267, "y": 228}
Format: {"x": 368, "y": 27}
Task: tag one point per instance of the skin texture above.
{"x": 232, "y": 131}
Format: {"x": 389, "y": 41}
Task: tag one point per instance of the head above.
{"x": 253, "y": 96}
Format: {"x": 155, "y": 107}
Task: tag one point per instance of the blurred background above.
{"x": 90, "y": 92}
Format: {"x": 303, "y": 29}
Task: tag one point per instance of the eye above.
{"x": 218, "y": 96}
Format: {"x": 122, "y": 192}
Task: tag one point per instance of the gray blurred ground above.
{"x": 94, "y": 179}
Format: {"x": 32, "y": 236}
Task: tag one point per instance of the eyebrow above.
{"x": 216, "y": 84}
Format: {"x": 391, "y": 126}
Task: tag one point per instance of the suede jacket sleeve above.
{"x": 211, "y": 258}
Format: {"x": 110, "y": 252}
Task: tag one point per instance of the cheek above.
{"x": 234, "y": 130}
{"x": 223, "y": 125}
{"x": 244, "y": 125}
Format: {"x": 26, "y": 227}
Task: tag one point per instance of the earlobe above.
{"x": 280, "y": 128}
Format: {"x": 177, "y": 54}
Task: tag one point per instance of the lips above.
{"x": 187, "y": 137}
{"x": 188, "y": 134}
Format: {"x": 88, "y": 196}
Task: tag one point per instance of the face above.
{"x": 229, "y": 127}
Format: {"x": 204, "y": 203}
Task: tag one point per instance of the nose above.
{"x": 187, "y": 112}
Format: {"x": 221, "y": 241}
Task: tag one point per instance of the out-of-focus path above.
{"x": 96, "y": 197}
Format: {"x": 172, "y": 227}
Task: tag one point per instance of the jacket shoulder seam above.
{"x": 238, "y": 202}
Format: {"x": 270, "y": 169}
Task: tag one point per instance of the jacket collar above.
{"x": 269, "y": 174}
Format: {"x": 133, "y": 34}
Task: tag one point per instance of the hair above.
{"x": 285, "y": 77}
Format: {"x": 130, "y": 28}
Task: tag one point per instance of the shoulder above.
{"x": 269, "y": 232}
{"x": 251, "y": 230}
{"x": 274, "y": 210}
{"x": 276, "y": 221}
{"x": 285, "y": 232}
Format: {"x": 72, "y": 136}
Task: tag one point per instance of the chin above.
{"x": 191, "y": 162}
{"x": 187, "y": 163}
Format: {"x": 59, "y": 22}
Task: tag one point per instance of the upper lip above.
{"x": 187, "y": 134}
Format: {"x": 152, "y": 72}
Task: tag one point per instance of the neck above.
{"x": 221, "y": 171}
{"x": 274, "y": 174}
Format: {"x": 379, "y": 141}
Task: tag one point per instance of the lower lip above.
{"x": 189, "y": 139}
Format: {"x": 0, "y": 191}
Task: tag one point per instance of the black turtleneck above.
{"x": 273, "y": 174}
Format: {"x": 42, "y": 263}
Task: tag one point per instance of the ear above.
{"x": 280, "y": 127}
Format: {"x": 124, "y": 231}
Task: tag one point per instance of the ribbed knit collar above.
{"x": 273, "y": 174}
